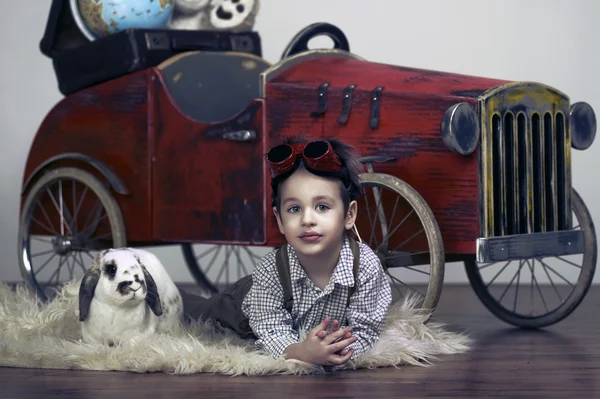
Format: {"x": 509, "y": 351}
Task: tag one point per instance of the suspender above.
{"x": 283, "y": 268}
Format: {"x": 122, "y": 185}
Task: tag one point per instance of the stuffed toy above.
{"x": 217, "y": 15}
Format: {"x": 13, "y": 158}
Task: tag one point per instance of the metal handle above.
{"x": 240, "y": 135}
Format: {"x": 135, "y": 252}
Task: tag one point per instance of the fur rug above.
{"x": 47, "y": 335}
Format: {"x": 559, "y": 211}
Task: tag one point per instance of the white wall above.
{"x": 549, "y": 41}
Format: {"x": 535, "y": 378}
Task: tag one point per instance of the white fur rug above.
{"x": 38, "y": 335}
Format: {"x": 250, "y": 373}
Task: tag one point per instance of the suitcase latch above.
{"x": 157, "y": 41}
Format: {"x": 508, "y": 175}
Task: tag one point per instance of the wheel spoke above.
{"x": 78, "y": 261}
{"x": 408, "y": 239}
{"x": 44, "y": 240}
{"x": 70, "y": 266}
{"x": 417, "y": 270}
{"x": 48, "y": 229}
{"x": 225, "y": 264}
{"x": 212, "y": 261}
{"x": 90, "y": 223}
{"x": 555, "y": 272}
{"x": 398, "y": 226}
{"x": 372, "y": 239}
{"x": 42, "y": 253}
{"x": 211, "y": 249}
{"x": 496, "y": 276}
{"x": 551, "y": 281}
{"x": 487, "y": 265}
{"x": 569, "y": 262}
{"x": 240, "y": 264}
{"x": 382, "y": 219}
{"x": 60, "y": 209}
{"x": 517, "y": 290}
{"x": 252, "y": 255}
{"x": 78, "y": 206}
{"x": 39, "y": 205}
{"x": 404, "y": 284}
{"x": 507, "y": 287}
{"x": 45, "y": 263}
{"x": 57, "y": 271}
{"x": 532, "y": 268}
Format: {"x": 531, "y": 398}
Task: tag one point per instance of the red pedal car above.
{"x": 457, "y": 168}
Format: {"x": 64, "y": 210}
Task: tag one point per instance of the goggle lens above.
{"x": 279, "y": 153}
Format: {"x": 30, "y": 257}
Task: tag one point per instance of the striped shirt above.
{"x": 276, "y": 328}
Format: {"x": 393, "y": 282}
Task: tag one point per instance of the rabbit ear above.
{"x": 152, "y": 297}
{"x": 96, "y": 261}
{"x": 86, "y": 291}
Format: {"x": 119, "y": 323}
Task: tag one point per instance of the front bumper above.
{"x": 534, "y": 245}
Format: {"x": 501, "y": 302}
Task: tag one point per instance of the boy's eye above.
{"x": 322, "y": 207}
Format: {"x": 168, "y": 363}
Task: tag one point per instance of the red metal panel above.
{"x": 367, "y": 75}
{"x": 108, "y": 122}
{"x": 206, "y": 188}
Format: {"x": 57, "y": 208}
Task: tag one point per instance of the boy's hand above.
{"x": 324, "y": 351}
{"x": 335, "y": 326}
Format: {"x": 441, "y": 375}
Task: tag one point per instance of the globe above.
{"x": 100, "y": 18}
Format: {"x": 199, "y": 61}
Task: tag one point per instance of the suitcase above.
{"x": 80, "y": 63}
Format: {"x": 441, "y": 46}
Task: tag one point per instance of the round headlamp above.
{"x": 583, "y": 125}
{"x": 460, "y": 128}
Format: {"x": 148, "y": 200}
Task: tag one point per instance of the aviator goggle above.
{"x": 318, "y": 155}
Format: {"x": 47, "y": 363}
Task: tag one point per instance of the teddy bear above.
{"x": 224, "y": 15}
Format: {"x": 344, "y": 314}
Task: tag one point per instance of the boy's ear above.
{"x": 278, "y": 217}
{"x": 351, "y": 215}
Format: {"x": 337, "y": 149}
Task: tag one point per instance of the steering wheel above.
{"x": 299, "y": 43}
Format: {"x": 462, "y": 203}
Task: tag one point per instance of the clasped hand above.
{"x": 328, "y": 348}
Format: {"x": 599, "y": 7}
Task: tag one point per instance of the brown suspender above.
{"x": 283, "y": 268}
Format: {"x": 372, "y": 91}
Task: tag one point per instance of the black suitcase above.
{"x": 80, "y": 63}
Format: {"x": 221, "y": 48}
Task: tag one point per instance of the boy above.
{"x": 315, "y": 206}
{"x": 314, "y": 189}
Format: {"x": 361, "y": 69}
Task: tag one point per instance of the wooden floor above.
{"x": 561, "y": 362}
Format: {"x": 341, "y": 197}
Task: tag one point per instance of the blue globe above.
{"x": 100, "y": 18}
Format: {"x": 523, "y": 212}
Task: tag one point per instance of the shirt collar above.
{"x": 342, "y": 274}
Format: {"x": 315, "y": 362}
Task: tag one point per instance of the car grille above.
{"x": 525, "y": 160}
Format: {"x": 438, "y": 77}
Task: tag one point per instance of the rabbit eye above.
{"x": 110, "y": 269}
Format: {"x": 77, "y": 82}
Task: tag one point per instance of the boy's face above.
{"x": 312, "y": 213}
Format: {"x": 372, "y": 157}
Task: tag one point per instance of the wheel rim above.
{"x": 67, "y": 218}
{"x": 538, "y": 292}
{"x": 404, "y": 234}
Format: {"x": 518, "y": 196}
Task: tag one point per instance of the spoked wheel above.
{"x": 396, "y": 222}
{"x": 66, "y": 218}
{"x": 214, "y": 267}
{"x": 538, "y": 292}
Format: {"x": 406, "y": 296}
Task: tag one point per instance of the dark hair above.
{"x": 351, "y": 168}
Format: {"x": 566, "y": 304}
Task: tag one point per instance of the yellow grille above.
{"x": 525, "y": 160}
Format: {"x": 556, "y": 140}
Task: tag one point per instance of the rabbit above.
{"x": 127, "y": 294}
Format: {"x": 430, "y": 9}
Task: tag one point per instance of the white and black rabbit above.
{"x": 127, "y": 293}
